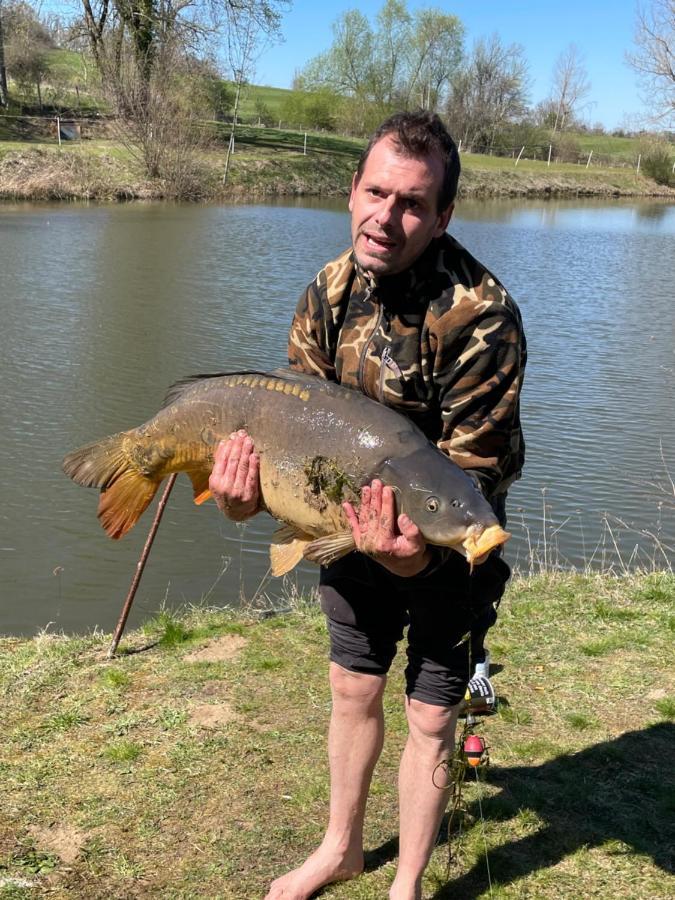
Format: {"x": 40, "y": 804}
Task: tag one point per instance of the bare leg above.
{"x": 430, "y": 741}
{"x": 354, "y": 745}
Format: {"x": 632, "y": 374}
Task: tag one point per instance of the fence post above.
{"x": 588, "y": 161}
{"x": 550, "y": 148}
{"x": 304, "y": 149}
{"x": 459, "y": 146}
{"x": 58, "y": 129}
{"x": 637, "y": 172}
{"x": 519, "y": 155}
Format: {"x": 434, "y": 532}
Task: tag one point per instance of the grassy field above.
{"x": 270, "y": 162}
{"x": 196, "y": 768}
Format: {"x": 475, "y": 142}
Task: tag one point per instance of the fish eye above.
{"x": 432, "y": 504}
{"x": 456, "y": 503}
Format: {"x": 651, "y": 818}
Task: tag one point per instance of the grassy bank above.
{"x": 197, "y": 767}
{"x": 272, "y": 163}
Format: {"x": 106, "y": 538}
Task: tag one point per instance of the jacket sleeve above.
{"x": 479, "y": 369}
{"x": 308, "y": 344}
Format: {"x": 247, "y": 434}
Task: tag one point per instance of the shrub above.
{"x": 566, "y": 148}
{"x": 657, "y": 162}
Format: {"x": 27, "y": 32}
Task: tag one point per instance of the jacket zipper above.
{"x": 387, "y": 361}
{"x": 362, "y": 359}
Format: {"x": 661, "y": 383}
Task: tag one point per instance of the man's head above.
{"x": 403, "y": 192}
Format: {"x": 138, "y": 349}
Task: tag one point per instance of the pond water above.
{"x": 103, "y": 307}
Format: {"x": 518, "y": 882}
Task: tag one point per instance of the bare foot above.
{"x": 408, "y": 890}
{"x": 323, "y": 867}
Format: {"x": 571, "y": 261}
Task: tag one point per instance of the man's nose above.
{"x": 387, "y": 211}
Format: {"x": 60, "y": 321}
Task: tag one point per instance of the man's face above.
{"x": 394, "y": 208}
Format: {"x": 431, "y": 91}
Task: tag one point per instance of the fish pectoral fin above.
{"x": 200, "y": 486}
{"x": 327, "y": 549}
{"x": 287, "y": 549}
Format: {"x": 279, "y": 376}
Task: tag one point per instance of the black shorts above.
{"x": 368, "y": 608}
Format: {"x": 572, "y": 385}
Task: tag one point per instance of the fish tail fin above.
{"x": 125, "y": 492}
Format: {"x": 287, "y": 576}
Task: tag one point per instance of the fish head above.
{"x": 444, "y": 502}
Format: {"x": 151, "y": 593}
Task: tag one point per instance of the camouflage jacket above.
{"x": 441, "y": 342}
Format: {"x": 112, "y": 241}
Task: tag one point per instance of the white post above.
{"x": 550, "y": 147}
{"x": 638, "y": 165}
{"x": 588, "y": 162}
{"x": 519, "y": 155}
{"x": 459, "y": 147}
{"x": 304, "y": 149}
{"x": 58, "y": 129}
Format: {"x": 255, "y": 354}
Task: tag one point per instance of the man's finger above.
{"x": 388, "y": 510}
{"x": 364, "y": 508}
{"x": 233, "y": 461}
{"x": 252, "y": 486}
{"x": 375, "y": 507}
{"x": 220, "y": 458}
{"x": 241, "y": 475}
{"x": 352, "y": 519}
{"x": 407, "y": 527}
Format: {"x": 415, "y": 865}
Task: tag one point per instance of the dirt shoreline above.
{"x": 44, "y": 175}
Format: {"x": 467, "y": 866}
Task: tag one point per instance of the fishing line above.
{"x": 479, "y": 791}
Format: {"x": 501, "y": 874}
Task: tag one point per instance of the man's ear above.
{"x": 355, "y": 181}
{"x": 443, "y": 220}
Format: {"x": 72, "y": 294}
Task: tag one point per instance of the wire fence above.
{"x": 286, "y": 136}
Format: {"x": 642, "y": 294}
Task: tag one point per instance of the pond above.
{"x": 103, "y": 307}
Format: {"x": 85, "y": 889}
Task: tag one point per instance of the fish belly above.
{"x": 289, "y": 497}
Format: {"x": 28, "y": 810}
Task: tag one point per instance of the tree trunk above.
{"x": 4, "y": 97}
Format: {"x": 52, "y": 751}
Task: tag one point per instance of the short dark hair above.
{"x": 418, "y": 134}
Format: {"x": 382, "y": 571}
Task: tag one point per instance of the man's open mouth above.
{"x": 379, "y": 242}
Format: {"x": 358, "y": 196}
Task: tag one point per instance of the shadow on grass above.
{"x": 621, "y": 790}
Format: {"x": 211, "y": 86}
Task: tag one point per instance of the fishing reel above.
{"x": 480, "y": 698}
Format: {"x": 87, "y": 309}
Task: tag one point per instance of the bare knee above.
{"x": 356, "y": 687}
{"x": 431, "y": 724}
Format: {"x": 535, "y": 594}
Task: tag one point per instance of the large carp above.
{"x": 318, "y": 443}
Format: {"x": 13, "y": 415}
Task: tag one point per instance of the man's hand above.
{"x": 234, "y": 480}
{"x": 396, "y": 543}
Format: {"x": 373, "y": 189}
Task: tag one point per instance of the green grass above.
{"x": 176, "y": 774}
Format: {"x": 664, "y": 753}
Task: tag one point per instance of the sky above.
{"x": 601, "y": 29}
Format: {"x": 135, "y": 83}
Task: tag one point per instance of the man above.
{"x": 411, "y": 319}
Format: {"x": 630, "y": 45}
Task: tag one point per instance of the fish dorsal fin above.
{"x": 287, "y": 549}
{"x": 327, "y": 549}
{"x": 180, "y": 387}
{"x": 200, "y": 486}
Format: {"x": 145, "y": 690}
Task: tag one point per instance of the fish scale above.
{"x": 318, "y": 444}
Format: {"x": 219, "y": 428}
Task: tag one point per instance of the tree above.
{"x": 488, "y": 94}
{"x": 145, "y": 52}
{"x": 654, "y": 58}
{"x": 401, "y": 61}
{"x": 4, "y": 96}
{"x": 24, "y": 47}
{"x": 136, "y": 31}
{"x": 436, "y": 54}
{"x": 570, "y": 85}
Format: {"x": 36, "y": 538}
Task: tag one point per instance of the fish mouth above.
{"x": 478, "y": 543}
